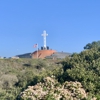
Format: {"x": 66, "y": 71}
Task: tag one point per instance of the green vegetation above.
{"x": 94, "y": 44}
{"x": 85, "y": 68}
{"x": 17, "y": 74}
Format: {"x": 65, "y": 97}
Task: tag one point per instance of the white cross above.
{"x": 44, "y": 35}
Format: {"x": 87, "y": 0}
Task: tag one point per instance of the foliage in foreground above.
{"x": 84, "y": 68}
{"x": 50, "y": 89}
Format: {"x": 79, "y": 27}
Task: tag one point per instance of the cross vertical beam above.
{"x": 44, "y": 36}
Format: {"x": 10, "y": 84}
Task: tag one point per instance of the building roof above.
{"x": 49, "y": 54}
{"x": 26, "y": 55}
{"x": 59, "y": 55}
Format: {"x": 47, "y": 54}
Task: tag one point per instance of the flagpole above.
{"x": 37, "y": 50}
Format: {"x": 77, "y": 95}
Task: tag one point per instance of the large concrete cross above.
{"x": 44, "y": 36}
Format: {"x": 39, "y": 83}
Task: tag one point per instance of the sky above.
{"x": 70, "y": 25}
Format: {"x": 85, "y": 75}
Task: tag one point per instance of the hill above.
{"x": 72, "y": 74}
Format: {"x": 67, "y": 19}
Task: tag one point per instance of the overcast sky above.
{"x": 70, "y": 25}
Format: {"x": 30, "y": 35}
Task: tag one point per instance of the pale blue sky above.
{"x": 70, "y": 24}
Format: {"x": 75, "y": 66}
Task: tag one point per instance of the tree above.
{"x": 94, "y": 44}
{"x": 85, "y": 68}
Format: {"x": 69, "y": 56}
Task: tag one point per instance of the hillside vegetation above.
{"x": 73, "y": 78}
{"x": 17, "y": 74}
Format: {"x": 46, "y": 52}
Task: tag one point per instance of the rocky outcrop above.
{"x": 54, "y": 91}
